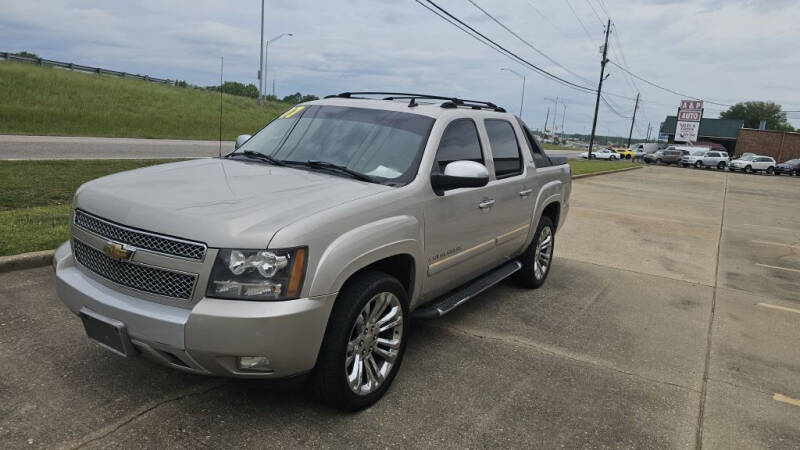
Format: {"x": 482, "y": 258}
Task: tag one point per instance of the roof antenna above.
{"x": 221, "y": 65}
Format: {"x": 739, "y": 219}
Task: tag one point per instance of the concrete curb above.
{"x": 26, "y": 260}
{"x": 605, "y": 172}
{"x": 45, "y": 257}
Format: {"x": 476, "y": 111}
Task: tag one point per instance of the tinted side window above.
{"x": 459, "y": 142}
{"x": 505, "y": 150}
{"x": 540, "y": 158}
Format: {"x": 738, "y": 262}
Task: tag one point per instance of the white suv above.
{"x": 718, "y": 159}
{"x": 753, "y": 163}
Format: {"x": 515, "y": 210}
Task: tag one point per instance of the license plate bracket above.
{"x": 109, "y": 333}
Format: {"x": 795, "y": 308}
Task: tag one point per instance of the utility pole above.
{"x": 633, "y": 119}
{"x": 599, "y": 87}
{"x": 648, "y": 131}
{"x": 260, "y": 60}
{"x": 546, "y": 118}
{"x": 273, "y": 87}
{"x": 562, "y": 119}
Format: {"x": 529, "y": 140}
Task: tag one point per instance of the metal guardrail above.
{"x": 88, "y": 69}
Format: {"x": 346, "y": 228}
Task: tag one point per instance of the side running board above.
{"x": 460, "y": 295}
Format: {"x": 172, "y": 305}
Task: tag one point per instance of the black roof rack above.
{"x": 449, "y": 102}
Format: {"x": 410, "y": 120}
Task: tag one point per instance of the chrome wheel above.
{"x": 374, "y": 343}
{"x": 544, "y": 251}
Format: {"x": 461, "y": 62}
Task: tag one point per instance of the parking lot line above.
{"x": 776, "y": 244}
{"x": 778, "y": 267}
{"x": 782, "y": 308}
{"x": 784, "y": 399}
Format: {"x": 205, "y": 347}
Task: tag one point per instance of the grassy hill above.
{"x": 49, "y": 101}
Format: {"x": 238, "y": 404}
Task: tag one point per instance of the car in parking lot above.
{"x": 653, "y": 157}
{"x": 712, "y": 158}
{"x": 308, "y": 249}
{"x": 753, "y": 163}
{"x": 672, "y": 156}
{"x": 625, "y": 153}
{"x": 790, "y": 167}
{"x": 692, "y": 158}
{"x": 602, "y": 153}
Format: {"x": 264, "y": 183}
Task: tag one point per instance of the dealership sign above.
{"x": 688, "y": 124}
{"x": 687, "y": 131}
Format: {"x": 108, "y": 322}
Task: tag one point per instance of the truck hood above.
{"x": 221, "y": 202}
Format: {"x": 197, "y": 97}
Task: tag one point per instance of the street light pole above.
{"x": 522, "y": 98}
{"x": 260, "y": 60}
{"x": 266, "y": 54}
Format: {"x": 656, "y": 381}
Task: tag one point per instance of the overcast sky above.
{"x": 722, "y": 51}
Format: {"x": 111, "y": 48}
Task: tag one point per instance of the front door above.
{"x": 458, "y": 235}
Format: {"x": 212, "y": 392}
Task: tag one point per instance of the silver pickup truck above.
{"x": 308, "y": 250}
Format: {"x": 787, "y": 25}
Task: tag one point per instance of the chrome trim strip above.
{"x": 514, "y": 231}
{"x": 463, "y": 252}
{"x": 136, "y": 230}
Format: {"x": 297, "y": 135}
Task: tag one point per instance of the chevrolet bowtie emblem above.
{"x": 118, "y": 252}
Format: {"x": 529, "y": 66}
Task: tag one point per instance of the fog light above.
{"x": 254, "y": 363}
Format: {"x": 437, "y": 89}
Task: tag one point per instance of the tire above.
{"x": 721, "y": 165}
{"x": 613, "y": 158}
{"x": 698, "y": 165}
{"x": 330, "y": 378}
{"x": 748, "y": 169}
{"x": 797, "y": 172}
{"x": 770, "y": 170}
{"x": 530, "y": 275}
{"x": 658, "y": 161}
{"x": 627, "y": 156}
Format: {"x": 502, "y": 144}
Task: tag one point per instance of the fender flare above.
{"x": 352, "y": 252}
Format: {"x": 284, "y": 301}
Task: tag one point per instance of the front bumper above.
{"x": 207, "y": 338}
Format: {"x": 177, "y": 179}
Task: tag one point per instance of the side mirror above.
{"x": 460, "y": 174}
{"x": 241, "y": 139}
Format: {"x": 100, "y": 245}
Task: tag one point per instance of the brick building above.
{"x": 720, "y": 131}
{"x": 781, "y": 145}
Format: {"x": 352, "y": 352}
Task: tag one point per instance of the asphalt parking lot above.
{"x": 671, "y": 320}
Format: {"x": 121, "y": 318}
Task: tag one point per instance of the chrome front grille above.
{"x": 138, "y": 238}
{"x": 143, "y": 278}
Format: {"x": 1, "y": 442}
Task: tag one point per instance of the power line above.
{"x": 589, "y": 35}
{"x": 603, "y": 7}
{"x": 549, "y": 21}
{"x": 497, "y": 47}
{"x": 526, "y": 42}
{"x": 595, "y": 12}
{"x": 666, "y": 89}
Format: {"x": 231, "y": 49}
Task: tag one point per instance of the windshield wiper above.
{"x": 259, "y": 156}
{"x": 333, "y": 167}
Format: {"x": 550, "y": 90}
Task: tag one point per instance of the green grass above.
{"x": 35, "y": 198}
{"x": 49, "y": 101}
{"x": 547, "y": 146}
{"x": 581, "y": 167}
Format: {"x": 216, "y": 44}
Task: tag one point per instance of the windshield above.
{"x": 383, "y": 145}
{"x": 699, "y": 153}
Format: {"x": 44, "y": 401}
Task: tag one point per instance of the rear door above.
{"x": 511, "y": 189}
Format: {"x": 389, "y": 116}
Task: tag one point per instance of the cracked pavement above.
{"x": 619, "y": 348}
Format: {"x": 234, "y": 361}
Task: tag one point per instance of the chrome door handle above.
{"x": 525, "y": 193}
{"x": 488, "y": 203}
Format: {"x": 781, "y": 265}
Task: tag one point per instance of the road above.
{"x": 57, "y": 147}
{"x": 670, "y": 320}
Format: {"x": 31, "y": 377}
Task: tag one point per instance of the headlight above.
{"x": 258, "y": 274}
